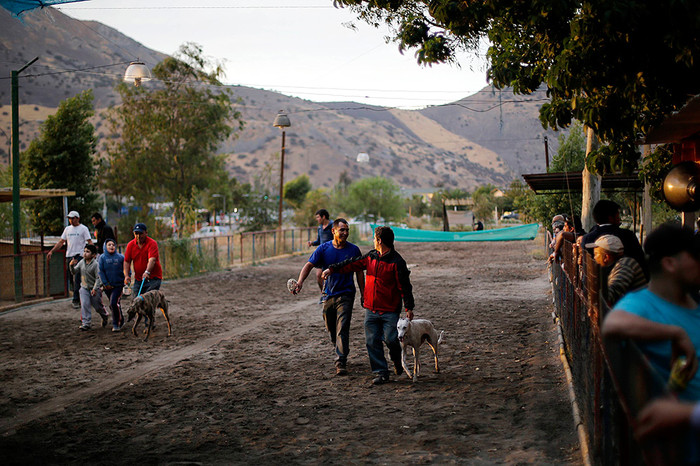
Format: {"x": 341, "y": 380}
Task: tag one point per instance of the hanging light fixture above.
{"x": 137, "y": 72}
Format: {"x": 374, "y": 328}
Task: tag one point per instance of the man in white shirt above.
{"x": 76, "y": 236}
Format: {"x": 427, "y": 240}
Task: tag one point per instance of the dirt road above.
{"x": 248, "y": 377}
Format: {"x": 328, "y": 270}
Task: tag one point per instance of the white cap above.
{"x": 73, "y": 214}
{"x": 610, "y": 243}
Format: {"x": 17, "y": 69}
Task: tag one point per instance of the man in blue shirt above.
{"x": 339, "y": 290}
{"x": 663, "y": 318}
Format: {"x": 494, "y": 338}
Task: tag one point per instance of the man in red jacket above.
{"x": 387, "y": 284}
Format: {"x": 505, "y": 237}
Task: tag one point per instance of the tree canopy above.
{"x": 62, "y": 158}
{"x": 165, "y": 139}
{"x": 618, "y": 66}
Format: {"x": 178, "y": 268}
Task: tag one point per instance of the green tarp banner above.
{"x": 517, "y": 233}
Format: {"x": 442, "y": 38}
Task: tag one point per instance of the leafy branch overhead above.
{"x": 618, "y": 66}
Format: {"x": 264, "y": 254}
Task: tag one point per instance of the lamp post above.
{"x": 281, "y": 121}
{"x": 15, "y": 178}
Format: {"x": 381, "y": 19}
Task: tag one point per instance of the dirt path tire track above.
{"x": 170, "y": 358}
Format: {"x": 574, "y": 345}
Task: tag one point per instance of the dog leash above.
{"x": 140, "y": 288}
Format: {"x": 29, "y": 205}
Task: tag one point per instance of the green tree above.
{"x": 165, "y": 140}
{"x": 295, "y": 190}
{"x": 484, "y": 202}
{"x": 62, "y": 157}
{"x": 313, "y": 201}
{"x": 617, "y": 66}
{"x": 372, "y": 199}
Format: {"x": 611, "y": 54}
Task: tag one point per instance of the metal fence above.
{"x": 612, "y": 381}
{"x": 179, "y": 258}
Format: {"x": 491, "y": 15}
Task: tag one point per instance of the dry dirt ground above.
{"x": 248, "y": 378}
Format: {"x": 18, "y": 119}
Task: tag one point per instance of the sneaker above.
{"x": 84, "y": 327}
{"x": 341, "y": 369}
{"x": 105, "y": 319}
{"x": 381, "y": 379}
{"x": 76, "y": 304}
{"x": 116, "y": 329}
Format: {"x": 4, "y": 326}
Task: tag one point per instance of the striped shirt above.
{"x": 626, "y": 275}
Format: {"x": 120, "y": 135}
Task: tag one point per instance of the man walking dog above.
{"x": 339, "y": 291}
{"x": 387, "y": 285}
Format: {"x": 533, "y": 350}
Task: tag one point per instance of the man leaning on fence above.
{"x": 624, "y": 273}
{"x": 663, "y": 318}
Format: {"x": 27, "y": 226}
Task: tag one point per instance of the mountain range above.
{"x": 489, "y": 137}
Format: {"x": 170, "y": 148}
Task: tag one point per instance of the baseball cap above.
{"x": 73, "y": 214}
{"x": 610, "y": 243}
{"x": 140, "y": 228}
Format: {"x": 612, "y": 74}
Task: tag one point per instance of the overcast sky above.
{"x": 302, "y": 48}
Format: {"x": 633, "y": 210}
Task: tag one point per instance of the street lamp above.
{"x": 15, "y": 177}
{"x": 137, "y": 72}
{"x": 281, "y": 121}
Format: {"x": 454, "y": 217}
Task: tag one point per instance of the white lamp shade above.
{"x": 137, "y": 73}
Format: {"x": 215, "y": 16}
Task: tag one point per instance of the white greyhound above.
{"x": 413, "y": 333}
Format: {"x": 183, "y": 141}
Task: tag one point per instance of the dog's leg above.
{"x": 434, "y": 341}
{"x": 150, "y": 325}
{"x": 403, "y": 360}
{"x": 138, "y": 319}
{"x": 164, "y": 309}
{"x": 416, "y": 364}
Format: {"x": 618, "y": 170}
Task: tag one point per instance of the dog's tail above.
{"x": 441, "y": 338}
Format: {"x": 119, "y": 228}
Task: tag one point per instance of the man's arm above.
{"x": 360, "y": 277}
{"x": 308, "y": 267}
{"x": 666, "y": 415}
{"x": 149, "y": 267}
{"x": 127, "y": 271}
{"x": 623, "y": 324}
{"x": 55, "y": 247}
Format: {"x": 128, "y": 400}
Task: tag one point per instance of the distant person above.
{"x": 478, "y": 226}
{"x": 571, "y": 231}
{"x": 102, "y": 231}
{"x": 339, "y": 293}
{"x": 76, "y": 236}
{"x": 325, "y": 233}
{"x": 557, "y": 226}
{"x": 90, "y": 287}
{"x": 111, "y": 268}
{"x": 624, "y": 273}
{"x": 663, "y": 318}
{"x": 606, "y": 214}
{"x": 387, "y": 287}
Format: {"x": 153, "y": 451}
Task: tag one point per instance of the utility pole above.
{"x": 15, "y": 179}
{"x": 546, "y": 153}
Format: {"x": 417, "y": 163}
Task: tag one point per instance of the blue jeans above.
{"x": 337, "y": 312}
{"x": 378, "y": 328}
{"x": 114, "y": 296}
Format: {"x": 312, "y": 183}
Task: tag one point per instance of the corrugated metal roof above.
{"x": 561, "y": 182}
